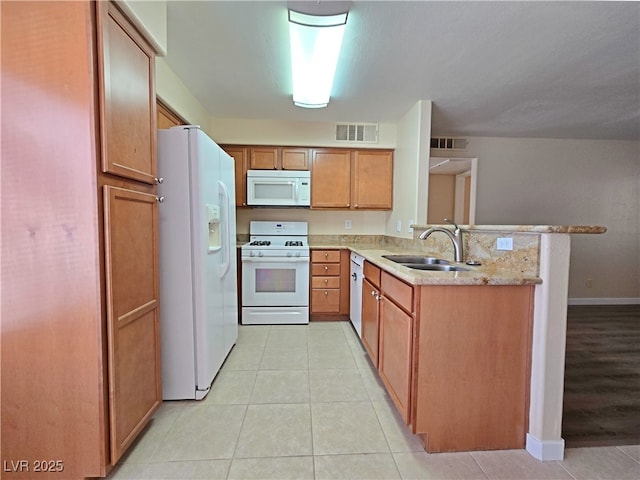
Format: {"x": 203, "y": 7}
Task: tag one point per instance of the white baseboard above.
{"x": 605, "y": 301}
{"x": 545, "y": 450}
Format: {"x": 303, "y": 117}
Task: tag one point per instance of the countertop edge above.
{"x": 573, "y": 229}
{"x": 476, "y": 275}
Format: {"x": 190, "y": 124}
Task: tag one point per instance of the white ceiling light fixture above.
{"x": 315, "y": 46}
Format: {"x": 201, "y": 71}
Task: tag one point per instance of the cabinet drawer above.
{"x": 325, "y": 282}
{"x": 325, "y": 300}
{"x": 372, "y": 273}
{"x": 399, "y": 291}
{"x": 320, "y": 269}
{"x": 331, "y": 256}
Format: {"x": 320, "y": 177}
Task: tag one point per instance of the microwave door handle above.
{"x": 296, "y": 186}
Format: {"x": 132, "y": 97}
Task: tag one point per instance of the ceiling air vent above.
{"x": 449, "y": 143}
{"x": 357, "y": 132}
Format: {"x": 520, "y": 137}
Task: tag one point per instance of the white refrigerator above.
{"x": 198, "y": 294}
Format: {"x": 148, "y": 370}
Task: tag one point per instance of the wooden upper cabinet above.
{"x": 167, "y": 118}
{"x": 330, "y": 178}
{"x": 278, "y": 158}
{"x": 127, "y": 98}
{"x": 372, "y": 177}
{"x": 264, "y": 158}
{"x": 240, "y": 159}
{"x": 295, "y": 159}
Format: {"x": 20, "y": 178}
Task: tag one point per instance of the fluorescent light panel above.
{"x": 315, "y": 46}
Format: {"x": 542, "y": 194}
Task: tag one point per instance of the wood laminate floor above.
{"x": 602, "y": 376}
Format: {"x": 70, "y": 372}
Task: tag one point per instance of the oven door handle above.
{"x": 275, "y": 259}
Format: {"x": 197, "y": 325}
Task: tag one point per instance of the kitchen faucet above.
{"x": 455, "y": 237}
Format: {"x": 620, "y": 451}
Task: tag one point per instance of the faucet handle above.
{"x": 454, "y": 224}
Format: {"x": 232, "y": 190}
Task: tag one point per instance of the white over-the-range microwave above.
{"x": 279, "y": 188}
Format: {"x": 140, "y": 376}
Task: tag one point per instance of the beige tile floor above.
{"x": 302, "y": 402}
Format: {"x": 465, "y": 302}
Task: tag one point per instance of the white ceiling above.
{"x": 519, "y": 69}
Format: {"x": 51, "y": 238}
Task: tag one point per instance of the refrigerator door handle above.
{"x": 226, "y": 257}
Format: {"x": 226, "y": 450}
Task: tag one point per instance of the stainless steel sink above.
{"x": 422, "y": 262}
{"x": 416, "y": 259}
{"x": 436, "y": 267}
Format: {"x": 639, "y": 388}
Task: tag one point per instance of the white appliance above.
{"x": 275, "y": 274}
{"x": 355, "y": 298}
{"x": 198, "y": 273}
{"x": 279, "y": 188}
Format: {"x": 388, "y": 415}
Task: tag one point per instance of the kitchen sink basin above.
{"x": 416, "y": 259}
{"x": 435, "y": 267}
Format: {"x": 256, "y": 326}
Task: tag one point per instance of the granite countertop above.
{"x": 477, "y": 275}
{"x": 583, "y": 229}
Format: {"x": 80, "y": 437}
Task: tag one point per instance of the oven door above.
{"x": 275, "y": 282}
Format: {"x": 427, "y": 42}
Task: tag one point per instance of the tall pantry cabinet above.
{"x": 79, "y": 333}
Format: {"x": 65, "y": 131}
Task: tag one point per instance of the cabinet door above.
{"x": 325, "y": 300}
{"x": 295, "y": 159}
{"x": 372, "y": 175}
{"x": 166, "y": 117}
{"x": 131, "y": 270}
{"x": 396, "y": 330}
{"x": 264, "y": 158}
{"x": 370, "y": 318}
{"x": 239, "y": 155}
{"x": 127, "y": 97}
{"x": 330, "y": 179}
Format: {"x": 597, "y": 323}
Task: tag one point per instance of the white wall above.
{"x": 569, "y": 182}
{"x": 150, "y": 16}
{"x": 174, "y": 93}
{"x": 410, "y": 171}
{"x": 274, "y": 132}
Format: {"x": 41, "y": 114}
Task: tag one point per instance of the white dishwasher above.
{"x": 355, "y": 311}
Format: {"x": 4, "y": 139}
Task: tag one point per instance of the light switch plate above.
{"x": 347, "y": 224}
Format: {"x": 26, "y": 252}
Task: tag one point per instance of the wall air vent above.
{"x": 449, "y": 143}
{"x": 357, "y": 132}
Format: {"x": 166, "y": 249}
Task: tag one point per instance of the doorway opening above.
{"x": 452, "y": 190}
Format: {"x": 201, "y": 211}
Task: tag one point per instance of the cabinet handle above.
{"x": 326, "y": 255}
{"x": 373, "y": 293}
{"x": 159, "y": 180}
{"x": 326, "y": 269}
{"x": 326, "y": 293}
{"x": 326, "y": 280}
{"x": 160, "y": 199}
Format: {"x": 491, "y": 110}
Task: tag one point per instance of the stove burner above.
{"x": 293, "y": 243}
{"x": 260, "y": 243}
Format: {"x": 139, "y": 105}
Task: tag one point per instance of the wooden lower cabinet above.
{"x": 329, "y": 284}
{"x": 370, "y": 319}
{"x": 395, "y": 350}
{"x": 133, "y": 334}
{"x": 455, "y": 359}
{"x": 472, "y": 367}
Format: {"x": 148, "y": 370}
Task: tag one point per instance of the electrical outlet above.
{"x": 409, "y": 228}
{"x": 399, "y": 226}
{"x": 504, "y": 243}
{"x": 347, "y": 224}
